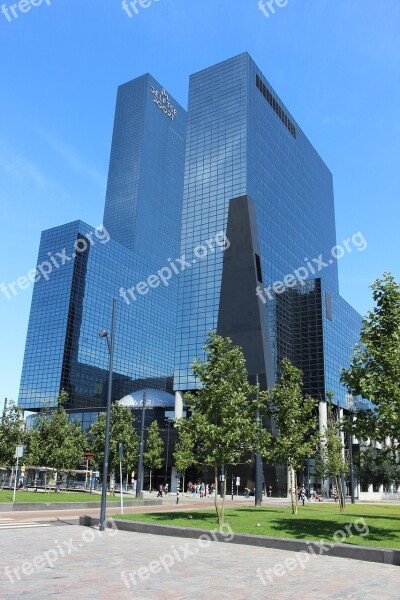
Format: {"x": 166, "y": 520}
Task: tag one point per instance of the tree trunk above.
{"x": 296, "y": 491}
{"x": 340, "y": 492}
{"x": 183, "y": 484}
{"x": 150, "y": 481}
{"x": 291, "y": 479}
{"x": 216, "y": 493}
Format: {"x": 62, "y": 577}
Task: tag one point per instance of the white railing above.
{"x": 380, "y": 496}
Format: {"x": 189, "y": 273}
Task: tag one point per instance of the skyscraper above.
{"x": 250, "y": 170}
{"x": 141, "y": 230}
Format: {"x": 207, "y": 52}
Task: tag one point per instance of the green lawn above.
{"x": 312, "y": 523}
{"x": 21, "y": 496}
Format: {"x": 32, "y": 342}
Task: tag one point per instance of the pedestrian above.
{"x": 270, "y": 491}
{"x": 303, "y": 495}
{"x": 160, "y": 491}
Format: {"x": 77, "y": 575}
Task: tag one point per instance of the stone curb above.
{"x": 377, "y": 555}
{"x": 37, "y": 506}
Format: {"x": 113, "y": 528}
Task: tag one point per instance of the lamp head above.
{"x": 103, "y": 333}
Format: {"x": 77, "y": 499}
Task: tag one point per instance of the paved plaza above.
{"x": 69, "y": 562}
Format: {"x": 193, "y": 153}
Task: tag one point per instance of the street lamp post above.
{"x": 139, "y": 484}
{"x": 110, "y": 344}
{"x": 350, "y": 408}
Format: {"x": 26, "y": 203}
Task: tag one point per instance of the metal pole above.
{"x": 232, "y": 485}
{"x": 258, "y": 461}
{"x": 121, "y": 486}
{"x": 139, "y": 483}
{"x": 108, "y": 420}
{"x": 353, "y": 500}
{"x": 16, "y": 474}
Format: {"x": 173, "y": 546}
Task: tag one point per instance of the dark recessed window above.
{"x": 258, "y": 267}
{"x": 328, "y": 301}
{"x": 278, "y": 109}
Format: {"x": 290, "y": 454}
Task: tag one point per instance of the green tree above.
{"x": 184, "y": 451}
{"x": 296, "y": 423}
{"x": 222, "y": 423}
{"x": 11, "y": 434}
{"x": 153, "y": 450}
{"x": 54, "y": 441}
{"x": 374, "y": 371}
{"x": 121, "y": 430}
{"x": 374, "y": 466}
{"x": 330, "y": 460}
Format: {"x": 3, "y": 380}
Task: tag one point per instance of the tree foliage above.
{"x": 154, "y": 449}
{"x": 11, "y": 434}
{"x": 373, "y": 466}
{"x": 54, "y": 441}
{"x": 222, "y": 423}
{"x": 184, "y": 456}
{"x": 296, "y": 423}
{"x": 330, "y": 459}
{"x": 374, "y": 371}
{"x": 121, "y": 430}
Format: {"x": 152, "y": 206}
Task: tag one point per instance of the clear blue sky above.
{"x": 336, "y": 65}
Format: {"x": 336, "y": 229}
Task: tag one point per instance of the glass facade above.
{"x": 144, "y": 192}
{"x": 141, "y": 232}
{"x": 243, "y": 142}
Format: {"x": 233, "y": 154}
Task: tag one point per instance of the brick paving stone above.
{"x": 93, "y": 565}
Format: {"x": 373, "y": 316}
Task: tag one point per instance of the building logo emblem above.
{"x": 163, "y": 103}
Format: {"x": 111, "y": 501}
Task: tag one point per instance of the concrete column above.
{"x": 357, "y": 489}
{"x": 323, "y": 422}
{"x": 173, "y": 479}
{"x": 178, "y": 405}
{"x": 323, "y": 416}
